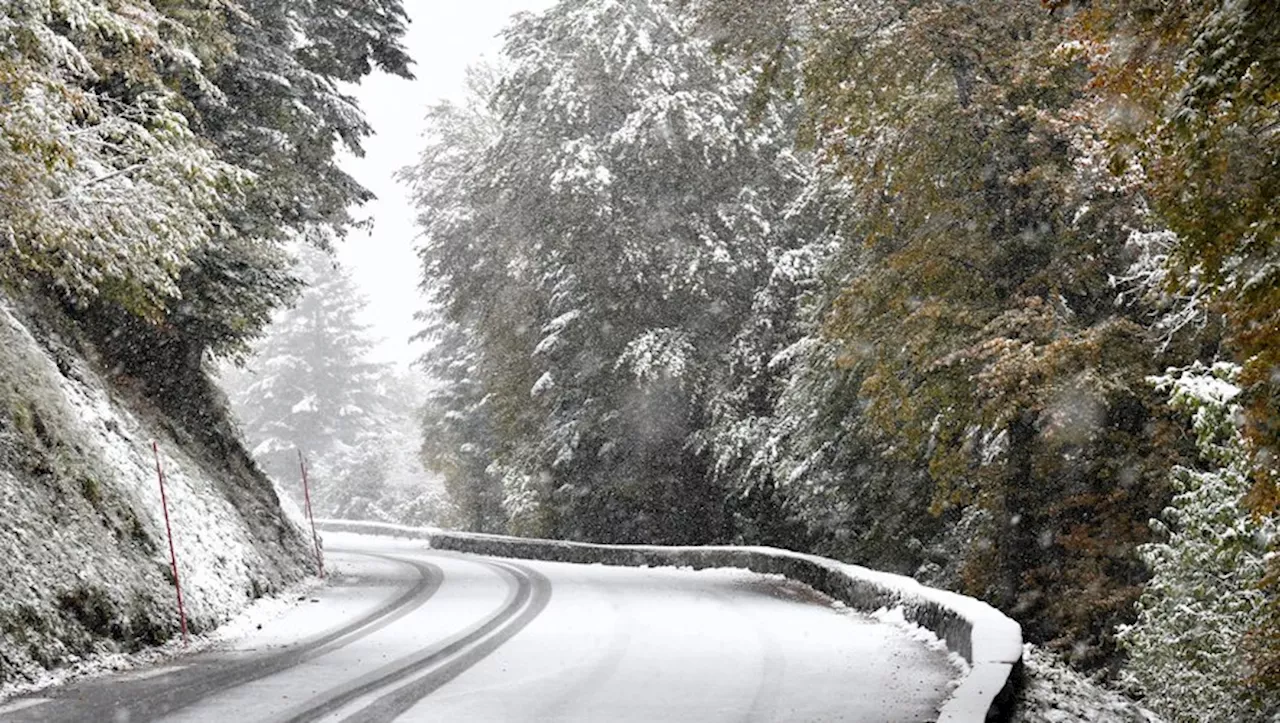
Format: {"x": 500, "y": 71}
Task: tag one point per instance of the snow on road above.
{"x": 623, "y": 644}
{"x": 405, "y": 633}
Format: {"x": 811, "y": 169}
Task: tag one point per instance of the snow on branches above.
{"x": 1207, "y": 565}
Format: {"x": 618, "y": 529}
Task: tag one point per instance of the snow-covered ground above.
{"x": 84, "y": 560}
{"x": 1053, "y": 693}
{"x": 616, "y": 644}
{"x": 250, "y": 621}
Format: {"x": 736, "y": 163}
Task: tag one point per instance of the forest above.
{"x": 985, "y": 292}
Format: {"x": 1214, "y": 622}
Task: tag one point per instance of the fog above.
{"x": 443, "y": 40}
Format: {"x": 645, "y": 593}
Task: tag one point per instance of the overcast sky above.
{"x": 445, "y": 37}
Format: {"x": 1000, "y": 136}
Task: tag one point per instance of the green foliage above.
{"x": 108, "y": 189}
{"x": 1204, "y": 595}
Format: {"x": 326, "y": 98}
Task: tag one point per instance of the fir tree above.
{"x": 312, "y": 388}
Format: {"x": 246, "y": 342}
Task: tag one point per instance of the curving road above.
{"x": 408, "y": 634}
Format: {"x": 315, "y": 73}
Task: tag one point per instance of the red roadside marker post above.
{"x": 306, "y": 495}
{"x": 173, "y": 556}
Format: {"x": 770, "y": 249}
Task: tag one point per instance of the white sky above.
{"x": 445, "y": 37}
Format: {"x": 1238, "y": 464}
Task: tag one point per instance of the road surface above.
{"x": 407, "y": 634}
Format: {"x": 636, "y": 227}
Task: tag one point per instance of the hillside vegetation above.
{"x": 84, "y": 560}
{"x": 156, "y": 161}
{"x": 985, "y": 292}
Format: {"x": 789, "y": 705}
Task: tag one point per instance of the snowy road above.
{"x": 404, "y": 633}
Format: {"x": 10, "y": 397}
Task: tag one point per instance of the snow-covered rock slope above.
{"x": 84, "y": 560}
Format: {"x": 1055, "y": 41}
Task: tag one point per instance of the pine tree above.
{"x": 312, "y": 388}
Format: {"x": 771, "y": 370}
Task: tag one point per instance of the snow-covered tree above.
{"x": 459, "y": 441}
{"x": 968, "y": 349}
{"x": 156, "y": 156}
{"x": 157, "y": 159}
{"x": 108, "y": 189}
{"x": 382, "y": 477}
{"x": 311, "y": 386}
{"x": 651, "y": 201}
{"x": 459, "y": 416}
{"x": 1186, "y": 649}
{"x": 277, "y": 108}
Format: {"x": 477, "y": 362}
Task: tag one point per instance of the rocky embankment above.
{"x": 84, "y": 559}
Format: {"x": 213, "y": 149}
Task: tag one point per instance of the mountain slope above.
{"x": 84, "y": 566}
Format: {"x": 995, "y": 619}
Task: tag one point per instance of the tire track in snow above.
{"x": 430, "y": 577}
{"x": 162, "y": 695}
{"x": 600, "y": 669}
{"x": 408, "y": 681}
{"x": 773, "y": 663}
